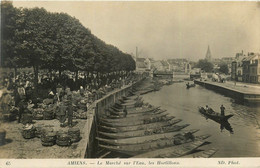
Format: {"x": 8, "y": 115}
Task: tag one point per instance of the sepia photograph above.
{"x": 130, "y": 80}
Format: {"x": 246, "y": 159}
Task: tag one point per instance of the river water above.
{"x": 244, "y": 138}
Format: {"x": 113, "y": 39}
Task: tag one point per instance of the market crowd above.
{"x": 55, "y": 96}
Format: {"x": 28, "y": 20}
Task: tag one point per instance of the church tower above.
{"x": 208, "y": 55}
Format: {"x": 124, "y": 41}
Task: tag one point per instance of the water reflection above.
{"x": 224, "y": 124}
{"x": 227, "y": 126}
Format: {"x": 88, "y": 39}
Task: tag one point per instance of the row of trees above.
{"x": 55, "y": 41}
{"x": 207, "y": 66}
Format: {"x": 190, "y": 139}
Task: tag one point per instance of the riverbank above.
{"x": 240, "y": 92}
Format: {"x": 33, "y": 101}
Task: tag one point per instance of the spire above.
{"x": 208, "y": 54}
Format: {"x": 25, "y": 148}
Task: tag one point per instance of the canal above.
{"x": 241, "y": 140}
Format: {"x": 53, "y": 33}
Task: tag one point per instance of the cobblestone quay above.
{"x": 240, "y": 92}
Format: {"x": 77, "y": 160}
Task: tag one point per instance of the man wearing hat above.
{"x": 22, "y": 106}
{"x": 70, "y": 110}
{"x": 62, "y": 113}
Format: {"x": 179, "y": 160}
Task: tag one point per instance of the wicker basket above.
{"x": 63, "y": 139}
{"x": 38, "y": 117}
{"x": 27, "y": 118}
{"x": 48, "y": 138}
{"x": 74, "y": 134}
{"x": 48, "y": 115}
{"x": 28, "y": 133}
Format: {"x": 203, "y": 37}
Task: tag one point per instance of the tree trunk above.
{"x": 59, "y": 73}
{"x": 15, "y": 74}
{"x": 77, "y": 75}
{"x": 36, "y": 71}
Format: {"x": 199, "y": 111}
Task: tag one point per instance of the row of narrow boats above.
{"x": 140, "y": 130}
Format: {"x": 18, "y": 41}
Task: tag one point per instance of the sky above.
{"x": 167, "y": 29}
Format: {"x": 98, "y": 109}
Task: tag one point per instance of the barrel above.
{"x": 63, "y": 139}
{"x": 74, "y": 134}
{"x": 2, "y": 136}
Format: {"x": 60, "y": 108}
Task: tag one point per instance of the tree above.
{"x": 11, "y": 21}
{"x": 205, "y": 65}
{"x": 223, "y": 68}
{"x": 55, "y": 41}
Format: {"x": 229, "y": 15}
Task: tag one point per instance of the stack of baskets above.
{"x": 2, "y": 136}
{"x": 80, "y": 114}
{"x": 27, "y": 118}
{"x": 28, "y": 132}
{"x": 49, "y": 113}
{"x": 38, "y": 114}
{"x": 48, "y": 137}
{"x": 9, "y": 117}
{"x": 74, "y": 134}
{"x": 39, "y": 131}
{"x": 63, "y": 139}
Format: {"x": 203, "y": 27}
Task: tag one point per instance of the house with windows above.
{"x": 143, "y": 64}
{"x": 251, "y": 68}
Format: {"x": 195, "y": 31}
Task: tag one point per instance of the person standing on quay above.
{"x": 222, "y": 109}
{"x": 70, "y": 110}
{"x": 125, "y": 111}
{"x": 62, "y": 113}
{"x": 22, "y": 106}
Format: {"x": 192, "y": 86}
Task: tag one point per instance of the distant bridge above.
{"x": 164, "y": 74}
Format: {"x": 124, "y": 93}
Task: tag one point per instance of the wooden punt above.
{"x": 115, "y": 116}
{"x": 202, "y": 154}
{"x": 152, "y": 119}
{"x": 134, "y": 117}
{"x": 134, "y": 110}
{"x": 173, "y": 151}
{"x": 137, "y": 149}
{"x": 141, "y": 127}
{"x": 143, "y": 139}
{"x": 214, "y": 115}
{"x": 138, "y": 133}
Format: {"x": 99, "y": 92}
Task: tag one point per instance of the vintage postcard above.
{"x": 130, "y": 84}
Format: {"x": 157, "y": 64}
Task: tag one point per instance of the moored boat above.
{"x": 173, "y": 151}
{"x": 144, "y": 91}
{"x": 140, "y": 127}
{"x": 120, "y": 115}
{"x": 190, "y": 85}
{"x": 134, "y": 110}
{"x": 136, "y": 149}
{"x": 135, "y": 117}
{"x": 152, "y": 119}
{"x": 136, "y": 133}
{"x": 202, "y": 154}
{"x": 143, "y": 139}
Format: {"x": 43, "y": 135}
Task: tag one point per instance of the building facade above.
{"x": 250, "y": 68}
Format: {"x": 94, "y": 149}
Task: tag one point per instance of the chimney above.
{"x": 136, "y": 52}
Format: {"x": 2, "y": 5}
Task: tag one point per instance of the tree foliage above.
{"x": 205, "y": 65}
{"x": 223, "y": 67}
{"x": 55, "y": 41}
